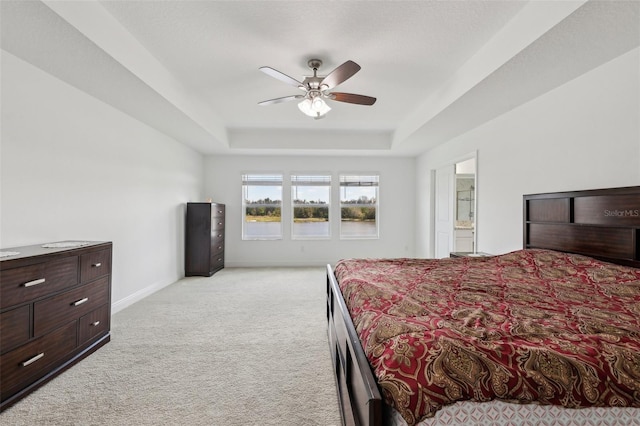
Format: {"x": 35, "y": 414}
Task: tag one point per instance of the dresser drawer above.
{"x": 94, "y": 265}
{"x": 14, "y": 328}
{"x": 27, "y": 363}
{"x": 217, "y": 234}
{"x": 217, "y": 224}
{"x": 93, "y": 324}
{"x": 217, "y": 210}
{"x": 216, "y": 259}
{"x": 217, "y": 262}
{"x": 217, "y": 246}
{"x": 51, "y": 313}
{"x": 27, "y": 283}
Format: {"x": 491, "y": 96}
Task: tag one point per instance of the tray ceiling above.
{"x": 437, "y": 68}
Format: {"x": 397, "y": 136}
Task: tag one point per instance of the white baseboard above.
{"x": 138, "y": 295}
{"x": 283, "y": 264}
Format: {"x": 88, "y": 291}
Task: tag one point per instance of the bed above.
{"x": 549, "y": 334}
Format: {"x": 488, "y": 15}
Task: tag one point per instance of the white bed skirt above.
{"x": 498, "y": 413}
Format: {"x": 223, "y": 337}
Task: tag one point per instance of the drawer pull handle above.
{"x": 80, "y": 302}
{"x": 34, "y": 282}
{"x": 219, "y": 223}
{"x": 220, "y": 211}
{"x": 97, "y": 265}
{"x": 32, "y": 360}
{"x": 96, "y": 323}
{"x": 219, "y": 259}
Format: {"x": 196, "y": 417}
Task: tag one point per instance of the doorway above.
{"x": 455, "y": 206}
{"x": 464, "y": 228}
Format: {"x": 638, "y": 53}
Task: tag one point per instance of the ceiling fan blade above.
{"x": 279, "y": 100}
{"x": 340, "y": 74}
{"x": 281, "y": 76}
{"x": 352, "y": 98}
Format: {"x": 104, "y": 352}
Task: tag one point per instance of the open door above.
{"x": 455, "y": 194}
{"x": 444, "y": 211}
{"x": 465, "y": 207}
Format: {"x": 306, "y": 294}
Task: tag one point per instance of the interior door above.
{"x": 444, "y": 210}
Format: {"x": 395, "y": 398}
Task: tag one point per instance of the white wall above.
{"x": 396, "y": 213}
{"x": 73, "y": 167}
{"x": 582, "y": 135}
{"x": 76, "y": 168}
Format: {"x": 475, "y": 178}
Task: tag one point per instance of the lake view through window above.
{"x": 262, "y": 207}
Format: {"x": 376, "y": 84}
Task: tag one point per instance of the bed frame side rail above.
{"x": 358, "y": 394}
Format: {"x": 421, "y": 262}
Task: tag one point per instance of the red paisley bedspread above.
{"x": 528, "y": 326}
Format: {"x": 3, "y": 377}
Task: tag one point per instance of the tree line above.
{"x": 268, "y": 201}
{"x": 314, "y": 210}
{"x": 318, "y": 213}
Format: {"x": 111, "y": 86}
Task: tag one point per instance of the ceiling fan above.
{"x": 317, "y": 89}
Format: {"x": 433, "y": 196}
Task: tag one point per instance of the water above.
{"x": 262, "y": 229}
{"x": 358, "y": 229}
{"x": 308, "y": 229}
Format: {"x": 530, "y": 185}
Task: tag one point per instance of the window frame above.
{"x": 374, "y": 182}
{"x": 268, "y": 179}
{"x": 326, "y": 181}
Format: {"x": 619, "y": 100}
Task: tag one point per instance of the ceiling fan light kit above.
{"x": 317, "y": 88}
{"x": 315, "y": 108}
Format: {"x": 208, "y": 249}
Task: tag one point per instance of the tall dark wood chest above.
{"x": 55, "y": 309}
{"x": 204, "y": 239}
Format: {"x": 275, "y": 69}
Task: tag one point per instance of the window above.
{"x": 310, "y": 203}
{"x": 358, "y": 206}
{"x": 262, "y": 207}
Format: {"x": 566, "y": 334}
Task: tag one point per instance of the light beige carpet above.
{"x": 247, "y": 346}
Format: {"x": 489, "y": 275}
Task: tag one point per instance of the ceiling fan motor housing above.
{"x": 313, "y": 82}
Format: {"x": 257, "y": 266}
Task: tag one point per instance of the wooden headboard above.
{"x": 601, "y": 223}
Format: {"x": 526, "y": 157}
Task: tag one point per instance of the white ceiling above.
{"x": 437, "y": 68}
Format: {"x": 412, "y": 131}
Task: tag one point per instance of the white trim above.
{"x": 378, "y": 187}
{"x": 329, "y": 185}
{"x": 283, "y": 264}
{"x": 453, "y": 161}
{"x": 139, "y": 295}
{"x": 280, "y": 183}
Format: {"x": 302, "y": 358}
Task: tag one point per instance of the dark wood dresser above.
{"x": 204, "y": 239}
{"x": 55, "y": 309}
